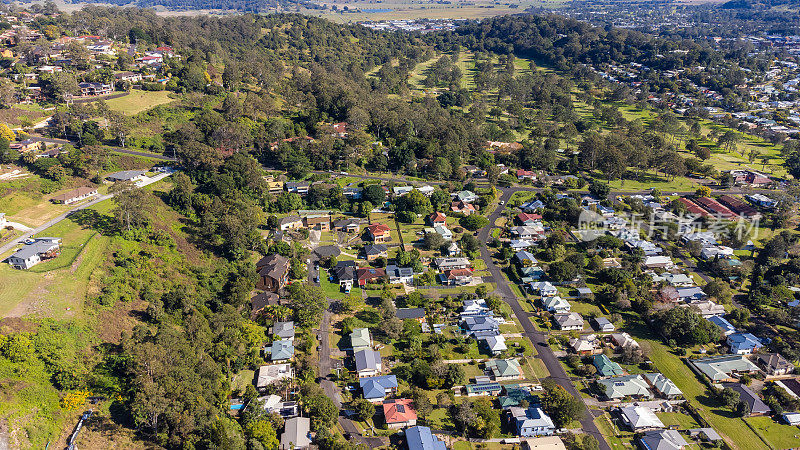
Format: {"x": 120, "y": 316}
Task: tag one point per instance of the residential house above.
{"x": 705, "y": 434}
{"x": 743, "y": 343}
{"x": 400, "y": 191}
{"x": 365, "y": 275}
{"x": 437, "y": 218}
{"x": 585, "y": 292}
{"x": 399, "y": 413}
{"x": 281, "y": 351}
{"x": 275, "y": 404}
{"x": 31, "y": 254}
{"x": 95, "y": 88}
{"x": 260, "y": 301}
{"x": 658, "y": 262}
{"x": 525, "y": 258}
{"x": 465, "y": 196}
{"x": 515, "y": 395}
{"x": 295, "y": 434}
{"x": 528, "y": 219}
{"x": 379, "y": 233}
{"x": 297, "y": 187}
{"x": 352, "y": 192}
{"x": 584, "y": 345}
{"x": 774, "y": 364}
{"x": 556, "y": 304}
{"x": 291, "y": 222}
{"x": 480, "y": 325}
{"x": 472, "y": 307}
{"x": 568, "y": 321}
{"x": 674, "y": 279}
{"x": 368, "y": 363}
{"x": 421, "y": 438}
{"x": 529, "y": 232}
{"x": 273, "y": 272}
{"x": 400, "y": 275}
{"x": 482, "y": 388}
{"x": 494, "y": 344}
{"x": 725, "y": 327}
{"x": 531, "y": 421}
{"x": 441, "y": 230}
{"x": 544, "y": 288}
{"x": 451, "y": 263}
{"x": 606, "y": 367}
{"x": 321, "y": 222}
{"x": 273, "y": 373}
{"x": 426, "y": 190}
{"x": 456, "y": 277}
{"x": 460, "y": 207}
{"x": 706, "y": 308}
{"x": 543, "y": 443}
{"x": 75, "y": 195}
{"x": 531, "y": 274}
{"x": 345, "y": 273}
{"x": 375, "y": 251}
{"x": 623, "y": 340}
{"x": 283, "y": 330}
{"x": 453, "y": 249}
{"x": 126, "y": 175}
{"x": 791, "y": 418}
{"x": 603, "y": 324}
{"x": 375, "y": 389}
{"x": 360, "y": 340}
{"x": 526, "y": 175}
{"x": 662, "y": 440}
{"x": 663, "y": 386}
{"x": 348, "y": 225}
{"x": 520, "y": 244}
{"x": 755, "y": 405}
{"x": 625, "y": 386}
{"x": 725, "y": 368}
{"x": 639, "y": 418}
{"x": 130, "y": 77}
{"x": 504, "y": 369}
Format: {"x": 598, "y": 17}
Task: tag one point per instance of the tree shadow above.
{"x": 89, "y": 218}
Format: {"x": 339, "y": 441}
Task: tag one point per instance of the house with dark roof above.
{"x": 126, "y": 175}
{"x": 261, "y": 301}
{"x": 375, "y": 251}
{"x": 375, "y": 389}
{"x": 347, "y": 225}
{"x": 31, "y": 254}
{"x": 755, "y": 405}
{"x": 283, "y": 330}
{"x": 273, "y": 272}
{"x": 417, "y": 314}
{"x": 774, "y": 364}
{"x": 743, "y": 343}
{"x": 345, "y": 273}
{"x": 486, "y": 325}
{"x": 367, "y": 275}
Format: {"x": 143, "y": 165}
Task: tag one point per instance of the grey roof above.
{"x": 663, "y": 440}
{"x": 34, "y": 249}
{"x": 754, "y": 402}
{"x": 623, "y": 386}
{"x": 295, "y": 433}
{"x": 125, "y": 175}
{"x": 367, "y": 360}
{"x": 375, "y": 249}
{"x": 663, "y": 385}
{"x": 284, "y": 330}
{"x": 410, "y": 313}
{"x": 345, "y": 270}
{"x": 720, "y": 367}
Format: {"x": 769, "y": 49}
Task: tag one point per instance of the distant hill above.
{"x": 236, "y": 5}
{"x": 759, "y": 4}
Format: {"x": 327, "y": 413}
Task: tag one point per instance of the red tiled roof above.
{"x": 378, "y": 229}
{"x": 399, "y": 410}
{"x": 524, "y": 217}
{"x": 437, "y": 217}
{"x": 458, "y": 273}
{"x": 369, "y": 273}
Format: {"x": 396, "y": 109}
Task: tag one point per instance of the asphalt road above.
{"x": 537, "y": 338}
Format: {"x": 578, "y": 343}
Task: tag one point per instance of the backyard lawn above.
{"x": 137, "y": 101}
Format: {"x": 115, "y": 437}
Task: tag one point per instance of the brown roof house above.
{"x": 775, "y": 365}
{"x": 273, "y": 272}
{"x": 75, "y": 195}
{"x": 318, "y": 222}
{"x": 379, "y": 233}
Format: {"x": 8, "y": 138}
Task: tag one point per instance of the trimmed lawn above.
{"x": 778, "y": 434}
{"x": 613, "y": 435}
{"x": 683, "y": 421}
{"x": 137, "y": 101}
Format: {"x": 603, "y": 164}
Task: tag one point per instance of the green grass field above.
{"x": 137, "y": 101}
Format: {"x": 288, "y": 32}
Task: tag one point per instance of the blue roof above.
{"x": 421, "y": 438}
{"x": 722, "y": 323}
{"x": 375, "y": 387}
{"x": 743, "y": 341}
{"x": 283, "y": 349}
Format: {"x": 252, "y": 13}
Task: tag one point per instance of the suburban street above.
{"x": 537, "y": 338}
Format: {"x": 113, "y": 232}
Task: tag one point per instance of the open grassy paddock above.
{"x": 137, "y": 101}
